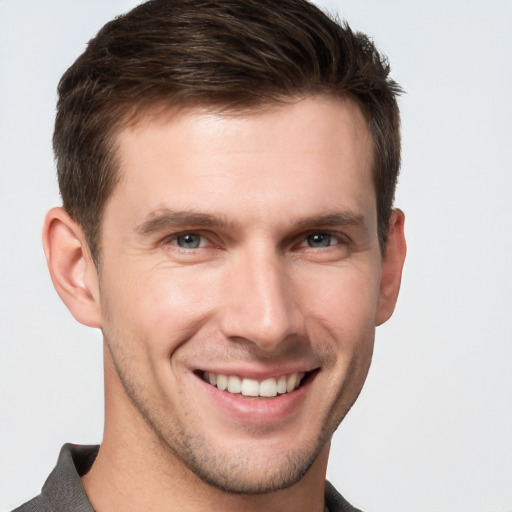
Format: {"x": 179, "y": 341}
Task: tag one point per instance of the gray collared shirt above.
{"x": 63, "y": 490}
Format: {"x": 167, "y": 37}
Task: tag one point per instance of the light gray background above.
{"x": 432, "y": 430}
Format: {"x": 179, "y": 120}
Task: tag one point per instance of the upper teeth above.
{"x": 252, "y": 387}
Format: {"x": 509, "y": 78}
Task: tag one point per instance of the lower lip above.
{"x": 258, "y": 410}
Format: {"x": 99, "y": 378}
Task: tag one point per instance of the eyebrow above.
{"x": 341, "y": 219}
{"x": 166, "y": 219}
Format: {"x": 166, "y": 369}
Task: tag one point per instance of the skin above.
{"x": 287, "y": 276}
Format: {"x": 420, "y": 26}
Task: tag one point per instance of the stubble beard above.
{"x": 240, "y": 473}
{"x": 237, "y": 472}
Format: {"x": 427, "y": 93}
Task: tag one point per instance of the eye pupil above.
{"x": 319, "y": 240}
{"x": 188, "y": 241}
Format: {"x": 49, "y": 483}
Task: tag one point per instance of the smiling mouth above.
{"x": 267, "y": 388}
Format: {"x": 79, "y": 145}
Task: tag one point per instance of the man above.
{"x": 227, "y": 172}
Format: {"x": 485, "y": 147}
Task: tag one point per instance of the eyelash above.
{"x": 321, "y": 234}
{"x": 304, "y": 239}
{"x": 173, "y": 240}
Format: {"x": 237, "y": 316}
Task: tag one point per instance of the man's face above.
{"x": 242, "y": 249}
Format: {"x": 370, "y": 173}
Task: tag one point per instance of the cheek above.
{"x": 158, "y": 308}
{"x": 343, "y": 299}
{"x": 341, "y": 325}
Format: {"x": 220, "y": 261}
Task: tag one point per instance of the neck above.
{"x": 126, "y": 480}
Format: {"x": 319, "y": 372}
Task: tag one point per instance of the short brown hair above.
{"x": 229, "y": 54}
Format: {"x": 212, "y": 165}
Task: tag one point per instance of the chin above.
{"x": 252, "y": 475}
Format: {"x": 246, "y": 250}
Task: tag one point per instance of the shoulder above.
{"x": 335, "y": 502}
{"x": 63, "y": 490}
{"x": 37, "y": 504}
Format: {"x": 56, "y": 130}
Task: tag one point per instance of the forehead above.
{"x": 324, "y": 117}
{"x": 312, "y": 153}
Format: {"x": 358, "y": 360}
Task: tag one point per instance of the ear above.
{"x": 71, "y": 267}
{"x": 392, "y": 264}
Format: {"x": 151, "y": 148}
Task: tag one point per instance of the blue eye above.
{"x": 319, "y": 240}
{"x": 189, "y": 241}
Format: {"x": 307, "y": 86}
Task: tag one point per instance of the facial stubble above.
{"x": 240, "y": 473}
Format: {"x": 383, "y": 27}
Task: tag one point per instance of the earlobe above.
{"x": 71, "y": 267}
{"x": 392, "y": 264}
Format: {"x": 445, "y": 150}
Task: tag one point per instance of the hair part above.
{"x": 233, "y": 55}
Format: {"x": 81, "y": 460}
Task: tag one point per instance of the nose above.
{"x": 260, "y": 301}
